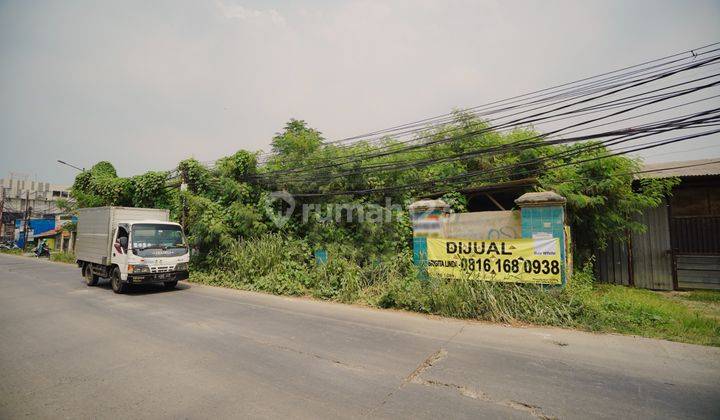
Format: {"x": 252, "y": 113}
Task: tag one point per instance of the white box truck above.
{"x": 130, "y": 246}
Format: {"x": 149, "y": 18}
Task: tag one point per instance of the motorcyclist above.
{"x": 42, "y": 249}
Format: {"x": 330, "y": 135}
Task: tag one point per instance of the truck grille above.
{"x": 161, "y": 268}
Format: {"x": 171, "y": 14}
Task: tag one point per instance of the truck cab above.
{"x": 150, "y": 251}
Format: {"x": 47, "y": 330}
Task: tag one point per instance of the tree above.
{"x": 295, "y": 146}
{"x": 604, "y": 198}
{"x": 227, "y": 202}
{"x": 100, "y": 186}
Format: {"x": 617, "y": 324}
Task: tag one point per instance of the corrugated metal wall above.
{"x": 698, "y": 271}
{"x": 613, "y": 264}
{"x": 696, "y": 234}
{"x": 651, "y": 261}
{"x": 696, "y": 241}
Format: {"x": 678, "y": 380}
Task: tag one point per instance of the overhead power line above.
{"x": 380, "y": 167}
{"x": 566, "y": 89}
{"x": 598, "y": 101}
{"x": 464, "y": 177}
{"x": 557, "y": 111}
{"x": 687, "y": 121}
{"x": 669, "y": 59}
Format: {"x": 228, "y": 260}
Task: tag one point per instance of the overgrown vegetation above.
{"x": 651, "y": 314}
{"x": 63, "y": 257}
{"x": 283, "y": 265}
{"x": 16, "y": 251}
{"x": 227, "y": 202}
{"x": 712, "y": 296}
{"x": 238, "y": 244}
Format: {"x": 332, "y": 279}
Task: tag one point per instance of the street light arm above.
{"x": 70, "y": 165}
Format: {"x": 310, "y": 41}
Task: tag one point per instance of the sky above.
{"x": 147, "y": 84}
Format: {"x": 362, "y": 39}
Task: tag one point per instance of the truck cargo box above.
{"x": 95, "y": 233}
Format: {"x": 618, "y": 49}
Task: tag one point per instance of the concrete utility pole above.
{"x": 183, "y": 201}
{"x": 27, "y": 219}
{"x": 2, "y": 207}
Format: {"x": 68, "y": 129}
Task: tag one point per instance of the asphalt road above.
{"x": 70, "y": 351}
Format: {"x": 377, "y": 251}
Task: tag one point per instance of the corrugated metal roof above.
{"x": 49, "y": 233}
{"x": 702, "y": 167}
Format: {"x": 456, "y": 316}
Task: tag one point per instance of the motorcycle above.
{"x": 8, "y": 245}
{"x": 42, "y": 250}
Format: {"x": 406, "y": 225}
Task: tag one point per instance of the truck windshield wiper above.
{"x": 152, "y": 247}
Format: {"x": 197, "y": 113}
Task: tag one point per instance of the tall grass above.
{"x": 282, "y": 265}
{"x": 703, "y": 296}
{"x": 644, "y": 312}
{"x": 63, "y": 257}
{"x": 14, "y": 251}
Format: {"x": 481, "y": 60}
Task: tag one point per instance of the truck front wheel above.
{"x": 117, "y": 284}
{"x": 90, "y": 278}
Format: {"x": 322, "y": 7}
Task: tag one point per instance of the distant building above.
{"x": 18, "y": 193}
{"x": 52, "y": 230}
{"x": 35, "y": 228}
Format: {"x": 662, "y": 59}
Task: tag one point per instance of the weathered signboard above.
{"x": 513, "y": 260}
{"x": 482, "y": 225}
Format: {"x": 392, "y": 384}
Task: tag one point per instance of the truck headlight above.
{"x": 183, "y": 266}
{"x": 138, "y": 268}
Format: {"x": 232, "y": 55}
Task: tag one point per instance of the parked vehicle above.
{"x": 8, "y": 245}
{"x": 130, "y": 246}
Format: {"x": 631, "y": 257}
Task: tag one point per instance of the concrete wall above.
{"x": 547, "y": 221}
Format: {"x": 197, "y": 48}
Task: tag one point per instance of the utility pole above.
{"x": 2, "y": 207}
{"x": 27, "y": 219}
{"x": 183, "y": 200}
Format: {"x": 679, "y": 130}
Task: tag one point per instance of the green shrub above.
{"x": 272, "y": 263}
{"x": 403, "y": 292}
{"x": 257, "y": 257}
{"x": 63, "y": 257}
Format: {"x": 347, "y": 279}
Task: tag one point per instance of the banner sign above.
{"x": 512, "y": 260}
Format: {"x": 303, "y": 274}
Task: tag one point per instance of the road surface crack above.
{"x": 416, "y": 378}
{"x": 533, "y": 410}
{"x": 425, "y": 365}
{"x": 422, "y": 367}
{"x": 464, "y": 391}
{"x": 315, "y": 355}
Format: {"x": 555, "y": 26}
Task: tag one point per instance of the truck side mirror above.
{"x": 123, "y": 242}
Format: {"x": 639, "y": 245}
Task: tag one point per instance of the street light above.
{"x": 72, "y": 166}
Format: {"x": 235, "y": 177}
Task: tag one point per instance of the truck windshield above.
{"x": 150, "y": 238}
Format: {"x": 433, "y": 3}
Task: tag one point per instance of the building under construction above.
{"x": 24, "y": 198}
